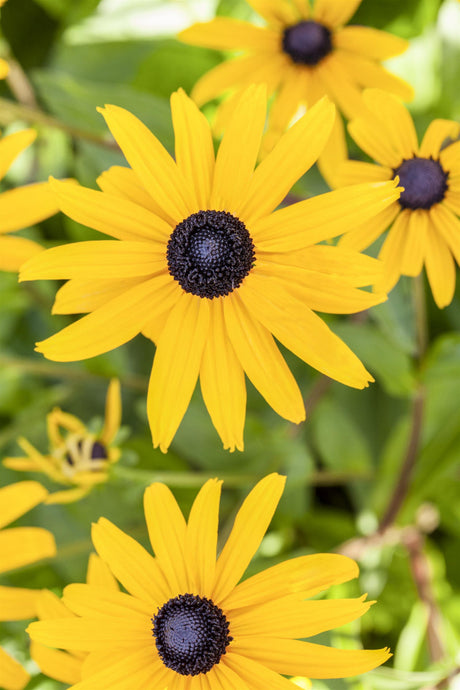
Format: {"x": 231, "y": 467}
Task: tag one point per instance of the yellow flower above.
{"x": 79, "y": 457}
{"x": 19, "y": 546}
{"x": 301, "y": 54}
{"x": 22, "y": 206}
{"x": 425, "y": 228}
{"x": 203, "y": 267}
{"x": 66, "y": 667}
{"x": 185, "y": 622}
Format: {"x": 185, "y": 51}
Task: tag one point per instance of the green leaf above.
{"x": 411, "y": 638}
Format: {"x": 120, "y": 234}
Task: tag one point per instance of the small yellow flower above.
{"x": 203, "y": 265}
{"x": 185, "y": 622}
{"x": 66, "y": 667}
{"x": 301, "y": 54}
{"x": 77, "y": 457}
{"x": 19, "y": 546}
{"x": 424, "y": 222}
{"x": 22, "y": 206}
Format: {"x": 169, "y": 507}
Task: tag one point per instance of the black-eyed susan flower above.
{"x": 424, "y": 223}
{"x": 185, "y": 622}
{"x": 19, "y": 546}
{"x": 301, "y": 54}
{"x": 66, "y": 667}
{"x": 77, "y": 457}
{"x": 203, "y": 266}
{"x": 22, "y": 206}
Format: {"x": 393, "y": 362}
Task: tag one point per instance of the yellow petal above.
{"x": 371, "y": 135}
{"x": 306, "y": 574}
{"x": 361, "y": 237}
{"x": 106, "y": 259}
{"x": 26, "y": 206}
{"x": 167, "y": 532}
{"x": 438, "y": 131}
{"x": 334, "y": 12}
{"x": 415, "y": 243}
{"x": 375, "y": 44}
{"x": 50, "y": 606}
{"x": 334, "y": 153}
{"x": 61, "y": 666}
{"x": 80, "y": 296}
{"x": 150, "y": 161}
{"x": 14, "y": 251}
{"x": 176, "y": 366}
{"x": 448, "y": 227}
{"x": 256, "y": 676}
{"x": 323, "y": 217}
{"x": 392, "y": 252}
{"x": 99, "y": 574}
{"x": 131, "y": 564}
{"x": 222, "y": 381}
{"x": 67, "y": 496}
{"x": 12, "y": 675}
{"x": 12, "y": 145}
{"x": 238, "y": 151}
{"x": 251, "y": 523}
{"x": 340, "y": 84}
{"x": 112, "y": 215}
{"x": 367, "y": 73}
{"x": 4, "y": 71}
{"x": 194, "y": 148}
{"x": 96, "y": 601}
{"x": 224, "y": 33}
{"x": 17, "y": 499}
{"x": 302, "y": 331}
{"x": 291, "y": 618}
{"x": 201, "y": 538}
{"x": 21, "y": 464}
{"x": 123, "y": 182}
{"x": 262, "y": 361}
{"x": 113, "y": 324}
{"x": 440, "y": 267}
{"x": 112, "y": 412}
{"x": 17, "y": 603}
{"x": 450, "y": 158}
{"x": 395, "y": 120}
{"x": 294, "y": 154}
{"x": 86, "y": 634}
{"x": 275, "y": 11}
{"x": 298, "y": 658}
{"x": 139, "y": 669}
{"x": 292, "y": 93}
{"x": 222, "y": 676}
{"x": 21, "y": 546}
{"x": 356, "y": 172}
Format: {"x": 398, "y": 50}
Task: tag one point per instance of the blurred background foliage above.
{"x": 344, "y": 465}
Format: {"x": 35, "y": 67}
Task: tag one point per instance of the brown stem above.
{"x": 405, "y": 475}
{"x": 421, "y": 573}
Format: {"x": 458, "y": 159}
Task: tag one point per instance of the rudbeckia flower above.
{"x": 19, "y": 546}
{"x": 185, "y": 622}
{"x": 203, "y": 266}
{"x": 301, "y": 54}
{"x": 22, "y": 206}
{"x": 424, "y": 223}
{"x": 77, "y": 457}
{"x": 66, "y": 667}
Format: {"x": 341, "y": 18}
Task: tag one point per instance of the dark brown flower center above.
{"x": 210, "y": 253}
{"x": 424, "y": 182}
{"x": 307, "y": 42}
{"x": 191, "y": 634}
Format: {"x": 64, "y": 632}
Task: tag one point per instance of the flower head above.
{"x": 301, "y": 54}
{"x": 186, "y": 622}
{"x": 22, "y": 206}
{"x": 424, "y": 222}
{"x": 19, "y": 546}
{"x": 203, "y": 266}
{"x": 77, "y": 457}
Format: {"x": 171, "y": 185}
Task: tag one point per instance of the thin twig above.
{"x": 20, "y": 84}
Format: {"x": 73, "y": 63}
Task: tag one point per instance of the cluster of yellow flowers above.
{"x": 202, "y": 260}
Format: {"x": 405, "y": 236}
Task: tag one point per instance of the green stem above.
{"x": 9, "y": 112}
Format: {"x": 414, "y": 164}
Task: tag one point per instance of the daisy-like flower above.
{"x": 19, "y": 546}
{"x": 185, "y": 622}
{"x": 66, "y": 667}
{"x": 22, "y": 206}
{"x": 77, "y": 457}
{"x": 301, "y": 54}
{"x": 203, "y": 267}
{"x": 425, "y": 227}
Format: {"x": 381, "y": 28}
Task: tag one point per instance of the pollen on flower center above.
{"x": 191, "y": 634}
{"x": 210, "y": 253}
{"x": 307, "y": 42}
{"x": 424, "y": 182}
